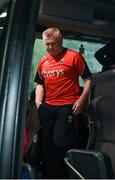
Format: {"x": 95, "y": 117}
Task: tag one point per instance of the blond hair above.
{"x": 53, "y": 32}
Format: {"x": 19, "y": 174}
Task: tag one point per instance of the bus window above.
{"x": 89, "y": 49}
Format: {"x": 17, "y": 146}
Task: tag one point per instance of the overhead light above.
{"x": 1, "y": 27}
{"x": 100, "y": 22}
{"x": 4, "y": 14}
{"x": 92, "y": 38}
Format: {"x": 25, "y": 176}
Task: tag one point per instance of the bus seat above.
{"x": 27, "y": 171}
{"x": 100, "y": 151}
{"x": 84, "y": 164}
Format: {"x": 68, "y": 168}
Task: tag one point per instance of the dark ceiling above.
{"x": 93, "y": 20}
{"x": 97, "y": 25}
{"x": 103, "y": 9}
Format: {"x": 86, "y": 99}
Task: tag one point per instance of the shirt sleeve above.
{"x": 86, "y": 74}
{"x": 38, "y": 77}
{"x": 82, "y": 68}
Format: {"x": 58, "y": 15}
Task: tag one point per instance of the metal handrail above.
{"x": 67, "y": 162}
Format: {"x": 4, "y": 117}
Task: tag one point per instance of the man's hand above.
{"x": 78, "y": 107}
{"x": 38, "y": 103}
{"x": 39, "y": 93}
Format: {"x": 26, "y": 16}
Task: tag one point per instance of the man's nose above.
{"x": 50, "y": 45}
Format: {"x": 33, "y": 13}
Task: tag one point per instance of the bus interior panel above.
{"x": 86, "y": 26}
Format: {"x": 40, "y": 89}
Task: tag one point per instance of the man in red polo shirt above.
{"x": 57, "y": 76}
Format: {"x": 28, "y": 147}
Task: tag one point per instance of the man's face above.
{"x": 53, "y": 46}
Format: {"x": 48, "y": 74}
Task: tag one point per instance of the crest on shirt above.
{"x": 61, "y": 61}
{"x": 46, "y": 63}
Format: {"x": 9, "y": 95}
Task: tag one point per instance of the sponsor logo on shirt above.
{"x": 55, "y": 73}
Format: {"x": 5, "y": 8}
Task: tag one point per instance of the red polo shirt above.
{"x": 60, "y": 75}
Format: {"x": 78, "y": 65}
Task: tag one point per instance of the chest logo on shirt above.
{"x": 46, "y": 63}
{"x": 55, "y": 73}
{"x": 61, "y": 61}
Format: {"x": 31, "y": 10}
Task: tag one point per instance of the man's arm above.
{"x": 39, "y": 94}
{"x": 80, "y": 104}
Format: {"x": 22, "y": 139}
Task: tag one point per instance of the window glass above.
{"x": 4, "y": 7}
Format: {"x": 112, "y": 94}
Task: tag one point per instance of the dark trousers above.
{"x": 58, "y": 136}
